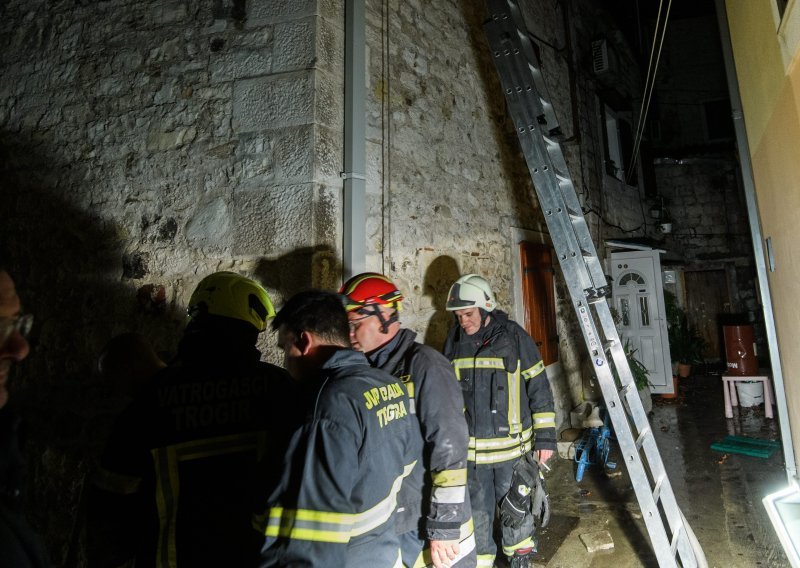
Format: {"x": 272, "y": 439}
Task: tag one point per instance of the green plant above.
{"x": 638, "y": 370}
{"x": 686, "y": 345}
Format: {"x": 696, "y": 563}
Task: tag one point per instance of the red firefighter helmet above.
{"x": 370, "y": 289}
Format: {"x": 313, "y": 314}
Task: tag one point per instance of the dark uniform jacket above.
{"x": 506, "y": 392}
{"x": 436, "y": 490}
{"x": 343, "y": 471}
{"x": 20, "y": 546}
{"x": 191, "y": 460}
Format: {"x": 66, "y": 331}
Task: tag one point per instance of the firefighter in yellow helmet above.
{"x": 509, "y": 412}
{"x": 434, "y": 520}
{"x": 194, "y": 455}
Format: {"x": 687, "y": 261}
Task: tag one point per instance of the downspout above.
{"x": 756, "y": 235}
{"x": 354, "y": 191}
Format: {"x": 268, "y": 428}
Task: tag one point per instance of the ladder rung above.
{"x": 657, "y": 490}
{"x": 623, "y": 392}
{"x": 675, "y": 537}
{"x": 642, "y": 435}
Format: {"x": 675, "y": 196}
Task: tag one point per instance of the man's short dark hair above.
{"x": 316, "y": 311}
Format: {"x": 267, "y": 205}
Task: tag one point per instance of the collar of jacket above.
{"x": 12, "y": 465}
{"x": 208, "y": 346}
{"x": 485, "y": 335}
{"x": 389, "y": 355}
{"x": 342, "y": 358}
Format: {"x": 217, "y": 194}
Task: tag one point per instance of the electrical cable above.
{"x": 652, "y": 70}
{"x": 609, "y": 223}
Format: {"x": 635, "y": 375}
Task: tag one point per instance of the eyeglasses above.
{"x": 356, "y": 323}
{"x": 22, "y": 324}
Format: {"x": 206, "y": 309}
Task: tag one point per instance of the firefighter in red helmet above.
{"x": 434, "y": 519}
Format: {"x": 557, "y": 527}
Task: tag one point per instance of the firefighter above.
{"x": 334, "y": 505}
{"x": 20, "y": 545}
{"x": 433, "y": 503}
{"x": 509, "y": 411}
{"x": 189, "y": 460}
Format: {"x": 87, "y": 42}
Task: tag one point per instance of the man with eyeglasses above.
{"x": 434, "y": 519}
{"x": 20, "y": 546}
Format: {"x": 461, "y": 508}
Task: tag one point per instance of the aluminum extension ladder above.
{"x": 528, "y": 104}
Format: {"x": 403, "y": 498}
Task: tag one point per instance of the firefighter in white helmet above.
{"x": 509, "y": 412}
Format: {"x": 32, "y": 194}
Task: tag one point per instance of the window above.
{"x": 538, "y": 295}
{"x": 619, "y": 146}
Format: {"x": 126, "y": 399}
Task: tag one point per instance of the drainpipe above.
{"x": 756, "y": 235}
{"x": 354, "y": 190}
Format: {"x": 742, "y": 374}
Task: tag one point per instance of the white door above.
{"x": 639, "y": 300}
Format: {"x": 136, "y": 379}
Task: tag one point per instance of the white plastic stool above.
{"x": 729, "y": 392}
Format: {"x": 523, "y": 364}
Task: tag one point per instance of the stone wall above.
{"x": 144, "y": 145}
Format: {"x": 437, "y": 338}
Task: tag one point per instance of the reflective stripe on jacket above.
{"x": 190, "y": 461}
{"x": 438, "y": 495}
{"x": 335, "y": 503}
{"x": 507, "y": 397}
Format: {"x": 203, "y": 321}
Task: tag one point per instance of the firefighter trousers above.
{"x": 488, "y": 484}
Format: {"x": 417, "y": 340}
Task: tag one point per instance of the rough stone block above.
{"x": 271, "y": 219}
{"x": 210, "y": 225}
{"x": 294, "y": 154}
{"x": 172, "y": 12}
{"x": 294, "y": 45}
{"x": 240, "y": 64}
{"x": 598, "y": 540}
{"x": 271, "y": 102}
{"x": 261, "y": 13}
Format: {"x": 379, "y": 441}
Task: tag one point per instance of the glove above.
{"x": 540, "y": 504}
{"x": 516, "y": 504}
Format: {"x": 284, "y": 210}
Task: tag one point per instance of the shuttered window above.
{"x": 538, "y": 295}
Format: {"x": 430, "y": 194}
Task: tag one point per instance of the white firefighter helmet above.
{"x": 470, "y": 291}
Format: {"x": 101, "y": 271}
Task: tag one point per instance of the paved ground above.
{"x": 720, "y": 494}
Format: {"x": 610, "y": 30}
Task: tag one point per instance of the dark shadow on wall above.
{"x": 439, "y": 276}
{"x": 300, "y": 269}
{"x": 71, "y": 274}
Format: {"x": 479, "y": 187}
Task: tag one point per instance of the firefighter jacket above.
{"x": 186, "y": 466}
{"x": 20, "y": 546}
{"x": 336, "y": 500}
{"x": 436, "y": 491}
{"x": 507, "y": 397}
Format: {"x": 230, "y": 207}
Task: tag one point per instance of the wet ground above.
{"x": 720, "y": 494}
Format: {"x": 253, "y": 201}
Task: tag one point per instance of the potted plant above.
{"x": 639, "y": 373}
{"x": 686, "y": 345}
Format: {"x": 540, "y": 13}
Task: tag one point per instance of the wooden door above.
{"x": 538, "y": 295}
{"x": 706, "y": 298}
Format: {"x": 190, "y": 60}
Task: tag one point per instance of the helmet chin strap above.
{"x": 484, "y": 317}
{"x": 375, "y": 310}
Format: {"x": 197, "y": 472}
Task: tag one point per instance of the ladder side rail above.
{"x": 642, "y": 425}
{"x": 546, "y": 184}
{"x": 571, "y": 225}
{"x": 525, "y": 71}
{"x": 619, "y": 418}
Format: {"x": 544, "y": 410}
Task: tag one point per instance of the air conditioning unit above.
{"x": 599, "y": 56}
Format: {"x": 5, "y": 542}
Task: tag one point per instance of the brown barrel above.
{"x": 740, "y": 350}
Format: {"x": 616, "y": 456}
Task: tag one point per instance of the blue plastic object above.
{"x": 594, "y": 447}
